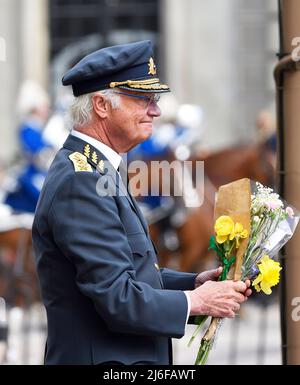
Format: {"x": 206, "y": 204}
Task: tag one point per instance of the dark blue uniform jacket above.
{"x": 106, "y": 299}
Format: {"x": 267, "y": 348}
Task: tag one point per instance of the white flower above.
{"x": 265, "y": 199}
{"x": 274, "y": 204}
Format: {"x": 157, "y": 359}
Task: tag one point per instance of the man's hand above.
{"x": 219, "y": 299}
{"x": 209, "y": 275}
{"x": 213, "y": 275}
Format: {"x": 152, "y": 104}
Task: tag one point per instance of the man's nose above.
{"x": 154, "y": 110}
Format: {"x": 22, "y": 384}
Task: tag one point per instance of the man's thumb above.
{"x": 218, "y": 271}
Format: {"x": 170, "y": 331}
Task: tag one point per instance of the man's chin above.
{"x": 141, "y": 138}
{"x": 147, "y": 130}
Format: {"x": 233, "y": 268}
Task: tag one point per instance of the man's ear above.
{"x": 100, "y": 105}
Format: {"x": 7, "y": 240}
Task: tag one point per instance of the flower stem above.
{"x": 200, "y": 320}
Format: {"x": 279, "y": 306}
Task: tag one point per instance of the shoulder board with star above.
{"x": 80, "y": 162}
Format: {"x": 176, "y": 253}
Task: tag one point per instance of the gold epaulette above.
{"x": 80, "y": 162}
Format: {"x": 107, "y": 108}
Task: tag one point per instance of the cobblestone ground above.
{"x": 251, "y": 338}
{"x": 26, "y": 337}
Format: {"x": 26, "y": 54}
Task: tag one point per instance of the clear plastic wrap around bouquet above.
{"x": 252, "y": 224}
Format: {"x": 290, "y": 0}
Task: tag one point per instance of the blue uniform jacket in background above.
{"x": 26, "y": 193}
{"x": 105, "y": 298}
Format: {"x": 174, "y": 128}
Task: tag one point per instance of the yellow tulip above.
{"x": 269, "y": 275}
{"x": 223, "y": 228}
{"x": 238, "y": 233}
{"x": 221, "y": 238}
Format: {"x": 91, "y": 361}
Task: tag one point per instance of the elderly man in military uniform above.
{"x": 106, "y": 299}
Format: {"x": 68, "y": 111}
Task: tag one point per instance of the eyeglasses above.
{"x": 145, "y": 100}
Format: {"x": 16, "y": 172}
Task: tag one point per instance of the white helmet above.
{"x": 31, "y": 97}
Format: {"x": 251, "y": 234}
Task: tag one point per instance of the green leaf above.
{"x": 213, "y": 245}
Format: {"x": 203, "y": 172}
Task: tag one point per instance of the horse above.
{"x": 255, "y": 162}
{"x": 18, "y": 279}
{"x": 194, "y": 229}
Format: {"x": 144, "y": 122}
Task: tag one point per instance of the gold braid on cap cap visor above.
{"x": 147, "y": 84}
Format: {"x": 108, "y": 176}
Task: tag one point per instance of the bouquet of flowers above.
{"x": 252, "y": 224}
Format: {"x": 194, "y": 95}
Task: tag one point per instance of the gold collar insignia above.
{"x": 100, "y": 166}
{"x": 87, "y": 151}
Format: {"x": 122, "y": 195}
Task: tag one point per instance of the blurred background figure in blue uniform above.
{"x": 266, "y": 129}
{"x": 267, "y": 135}
{"x": 37, "y": 153}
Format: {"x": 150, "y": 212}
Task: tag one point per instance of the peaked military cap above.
{"x": 126, "y": 66}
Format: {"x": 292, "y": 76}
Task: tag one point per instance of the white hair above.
{"x": 79, "y": 112}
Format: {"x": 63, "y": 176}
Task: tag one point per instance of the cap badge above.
{"x": 152, "y": 67}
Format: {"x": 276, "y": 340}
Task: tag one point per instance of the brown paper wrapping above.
{"x": 234, "y": 199}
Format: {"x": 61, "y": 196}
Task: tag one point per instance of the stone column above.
{"x": 35, "y": 40}
{"x": 10, "y": 76}
{"x": 197, "y": 60}
{"x": 24, "y": 35}
{"x": 218, "y": 54}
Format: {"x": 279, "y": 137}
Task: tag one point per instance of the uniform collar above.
{"x": 101, "y": 163}
{"x": 92, "y": 155}
{"x": 112, "y": 156}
